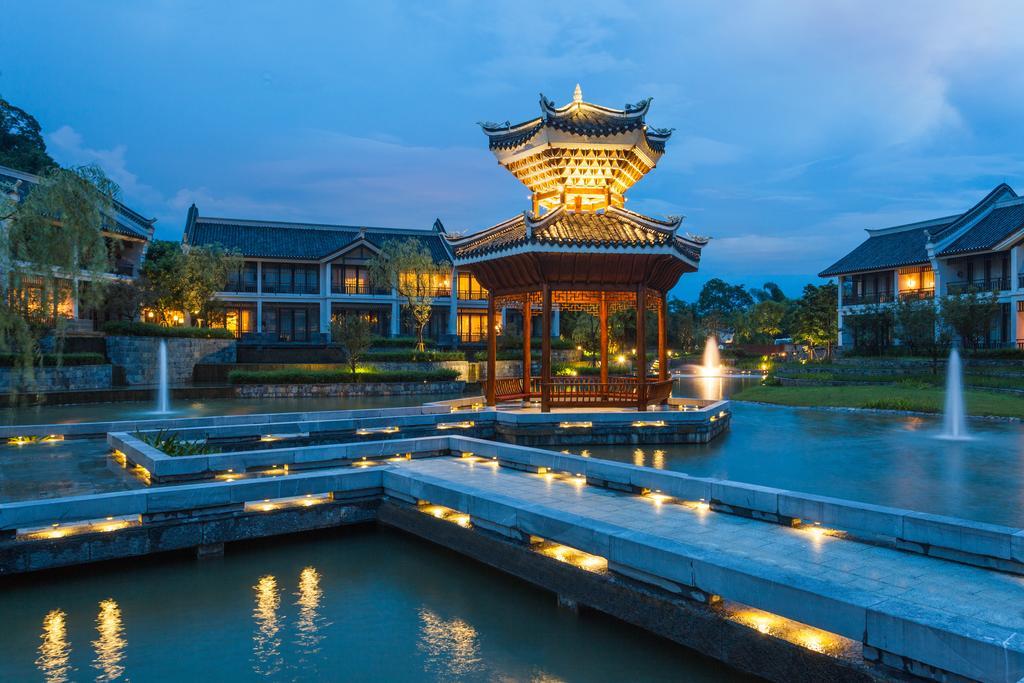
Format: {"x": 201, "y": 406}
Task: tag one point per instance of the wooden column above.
{"x": 527, "y": 332}
{"x": 641, "y": 347}
{"x": 492, "y": 353}
{"x": 663, "y": 338}
{"x": 603, "y": 322}
{"x": 545, "y": 351}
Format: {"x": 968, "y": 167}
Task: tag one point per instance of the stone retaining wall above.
{"x": 139, "y": 356}
{"x": 65, "y": 378}
{"x": 344, "y": 389}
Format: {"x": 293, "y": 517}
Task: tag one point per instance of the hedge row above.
{"x": 399, "y": 342}
{"x": 337, "y": 376}
{"x": 118, "y": 327}
{"x": 8, "y": 360}
{"x": 412, "y": 356}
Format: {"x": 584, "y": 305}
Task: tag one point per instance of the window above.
{"x": 243, "y": 279}
{"x": 472, "y": 326}
{"x": 469, "y": 288}
{"x": 284, "y": 278}
{"x": 379, "y": 319}
{"x": 239, "y": 319}
{"x": 421, "y": 284}
{"x": 292, "y": 323}
{"x": 350, "y": 280}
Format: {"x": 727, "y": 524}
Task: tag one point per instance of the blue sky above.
{"x": 798, "y": 124}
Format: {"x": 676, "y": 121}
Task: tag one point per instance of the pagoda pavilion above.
{"x": 579, "y": 248}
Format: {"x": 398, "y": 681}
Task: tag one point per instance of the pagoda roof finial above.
{"x": 577, "y": 94}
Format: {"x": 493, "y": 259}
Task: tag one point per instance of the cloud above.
{"x": 693, "y": 151}
{"x": 69, "y": 148}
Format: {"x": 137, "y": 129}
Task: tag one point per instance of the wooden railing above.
{"x": 585, "y": 391}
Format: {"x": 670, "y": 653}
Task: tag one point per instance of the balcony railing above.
{"x": 869, "y": 298}
{"x": 917, "y": 294}
{"x": 235, "y": 286}
{"x": 992, "y": 284}
{"x": 273, "y": 288}
{"x": 357, "y": 288}
{"x": 123, "y": 268}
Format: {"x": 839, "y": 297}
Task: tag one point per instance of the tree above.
{"x": 970, "y": 315}
{"x": 51, "y": 238}
{"x": 176, "y": 280}
{"x": 719, "y": 296}
{"x": 159, "y": 279}
{"x": 682, "y": 324}
{"x": 21, "y": 141}
{"x": 871, "y": 328}
{"x": 920, "y": 328}
{"x": 354, "y": 334}
{"x": 408, "y": 267}
{"x": 585, "y": 332}
{"x": 766, "y": 319}
{"x": 770, "y": 292}
{"x": 817, "y": 320}
{"x": 206, "y": 272}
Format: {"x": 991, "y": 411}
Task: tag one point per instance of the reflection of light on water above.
{"x": 266, "y": 646}
{"x": 710, "y": 388}
{"x": 309, "y": 624}
{"x": 657, "y": 459}
{"x": 54, "y": 659}
{"x": 450, "y": 646}
{"x": 111, "y": 642}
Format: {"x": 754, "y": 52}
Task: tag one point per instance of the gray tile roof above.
{"x": 997, "y": 216}
{"x": 126, "y": 222}
{"x": 1001, "y": 222}
{"x": 297, "y": 241}
{"x": 578, "y": 118}
{"x": 613, "y": 228}
{"x": 890, "y": 249}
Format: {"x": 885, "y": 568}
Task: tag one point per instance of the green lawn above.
{"x": 891, "y": 397}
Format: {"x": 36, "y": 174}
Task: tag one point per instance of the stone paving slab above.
{"x": 964, "y": 619}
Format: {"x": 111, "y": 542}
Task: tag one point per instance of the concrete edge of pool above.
{"x": 205, "y": 516}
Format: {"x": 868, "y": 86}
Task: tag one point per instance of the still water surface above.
{"x": 354, "y": 606}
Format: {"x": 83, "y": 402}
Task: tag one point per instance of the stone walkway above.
{"x": 946, "y": 596}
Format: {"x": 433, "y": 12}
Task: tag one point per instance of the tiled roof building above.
{"x": 979, "y": 249}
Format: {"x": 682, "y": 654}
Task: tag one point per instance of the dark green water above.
{"x": 360, "y": 605}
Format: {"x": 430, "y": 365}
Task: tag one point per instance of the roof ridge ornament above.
{"x": 577, "y": 94}
{"x": 640, "y": 106}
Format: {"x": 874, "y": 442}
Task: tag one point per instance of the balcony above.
{"x": 869, "y": 298}
{"x": 917, "y": 294}
{"x": 236, "y": 286}
{"x": 125, "y": 268}
{"x": 992, "y": 284}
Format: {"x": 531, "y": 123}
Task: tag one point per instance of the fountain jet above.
{"x": 712, "y": 365}
{"x": 163, "y": 392}
{"x": 954, "y": 419}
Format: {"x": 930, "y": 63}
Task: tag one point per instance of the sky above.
{"x": 797, "y": 124}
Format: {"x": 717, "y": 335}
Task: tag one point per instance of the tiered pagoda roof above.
{"x": 579, "y": 159}
{"x": 580, "y": 153}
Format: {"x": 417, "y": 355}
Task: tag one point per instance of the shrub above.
{"x": 412, "y": 356}
{"x": 172, "y": 445}
{"x": 118, "y": 327}
{"x": 1009, "y": 354}
{"x": 398, "y": 343}
{"x": 338, "y": 376}
{"x": 50, "y": 360}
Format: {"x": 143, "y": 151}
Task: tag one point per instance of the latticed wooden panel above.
{"x": 578, "y": 300}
